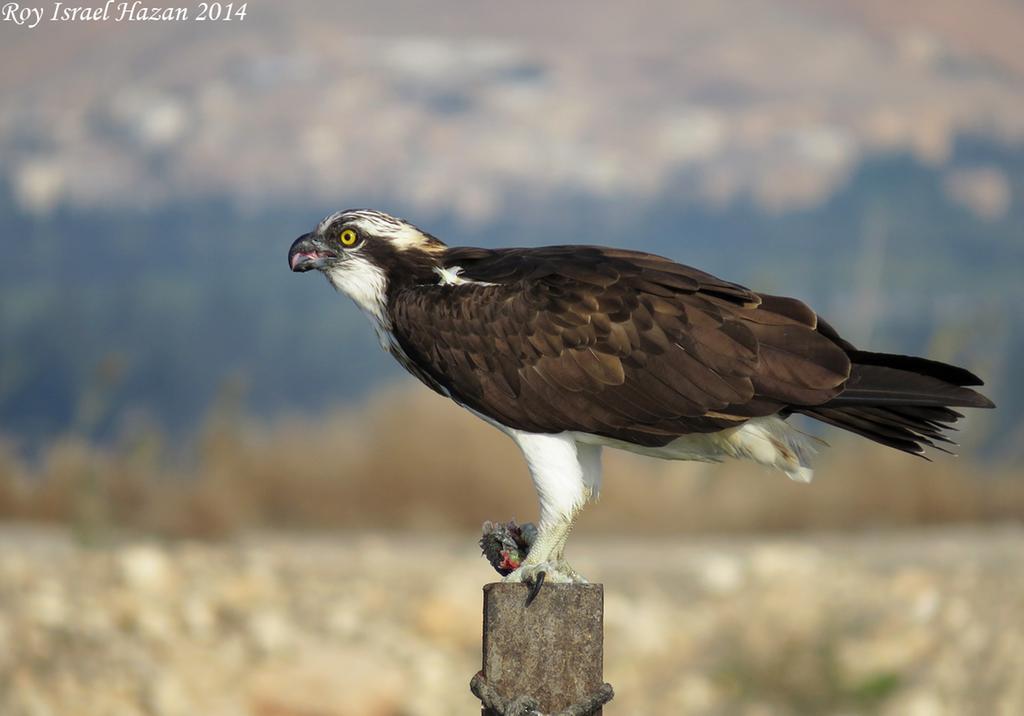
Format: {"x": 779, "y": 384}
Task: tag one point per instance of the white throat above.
{"x": 366, "y": 284}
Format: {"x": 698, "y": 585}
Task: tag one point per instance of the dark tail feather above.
{"x": 901, "y": 401}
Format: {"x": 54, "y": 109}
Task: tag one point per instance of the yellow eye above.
{"x": 348, "y": 237}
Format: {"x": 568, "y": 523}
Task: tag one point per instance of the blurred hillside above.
{"x": 481, "y": 110}
{"x": 113, "y": 317}
{"x": 866, "y": 157}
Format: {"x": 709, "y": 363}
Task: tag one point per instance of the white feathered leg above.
{"x": 589, "y": 457}
{"x": 562, "y": 486}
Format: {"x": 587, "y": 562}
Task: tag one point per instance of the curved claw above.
{"x": 535, "y": 586}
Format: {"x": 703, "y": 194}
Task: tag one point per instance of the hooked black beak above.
{"x": 306, "y": 253}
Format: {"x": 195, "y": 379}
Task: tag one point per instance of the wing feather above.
{"x": 611, "y": 342}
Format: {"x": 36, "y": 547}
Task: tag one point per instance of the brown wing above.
{"x": 616, "y": 343}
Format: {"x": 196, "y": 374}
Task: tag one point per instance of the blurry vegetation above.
{"x": 409, "y": 459}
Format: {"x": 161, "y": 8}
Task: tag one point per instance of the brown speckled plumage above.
{"x": 639, "y": 348}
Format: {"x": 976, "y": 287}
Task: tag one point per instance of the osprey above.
{"x": 568, "y": 349}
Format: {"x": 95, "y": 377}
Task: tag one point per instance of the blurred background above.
{"x": 218, "y": 496}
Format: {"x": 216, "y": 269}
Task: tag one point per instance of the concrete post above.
{"x": 552, "y": 650}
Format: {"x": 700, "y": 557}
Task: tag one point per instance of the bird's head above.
{"x": 360, "y": 234}
{"x": 363, "y": 252}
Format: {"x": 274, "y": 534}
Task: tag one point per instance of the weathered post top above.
{"x": 551, "y": 651}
